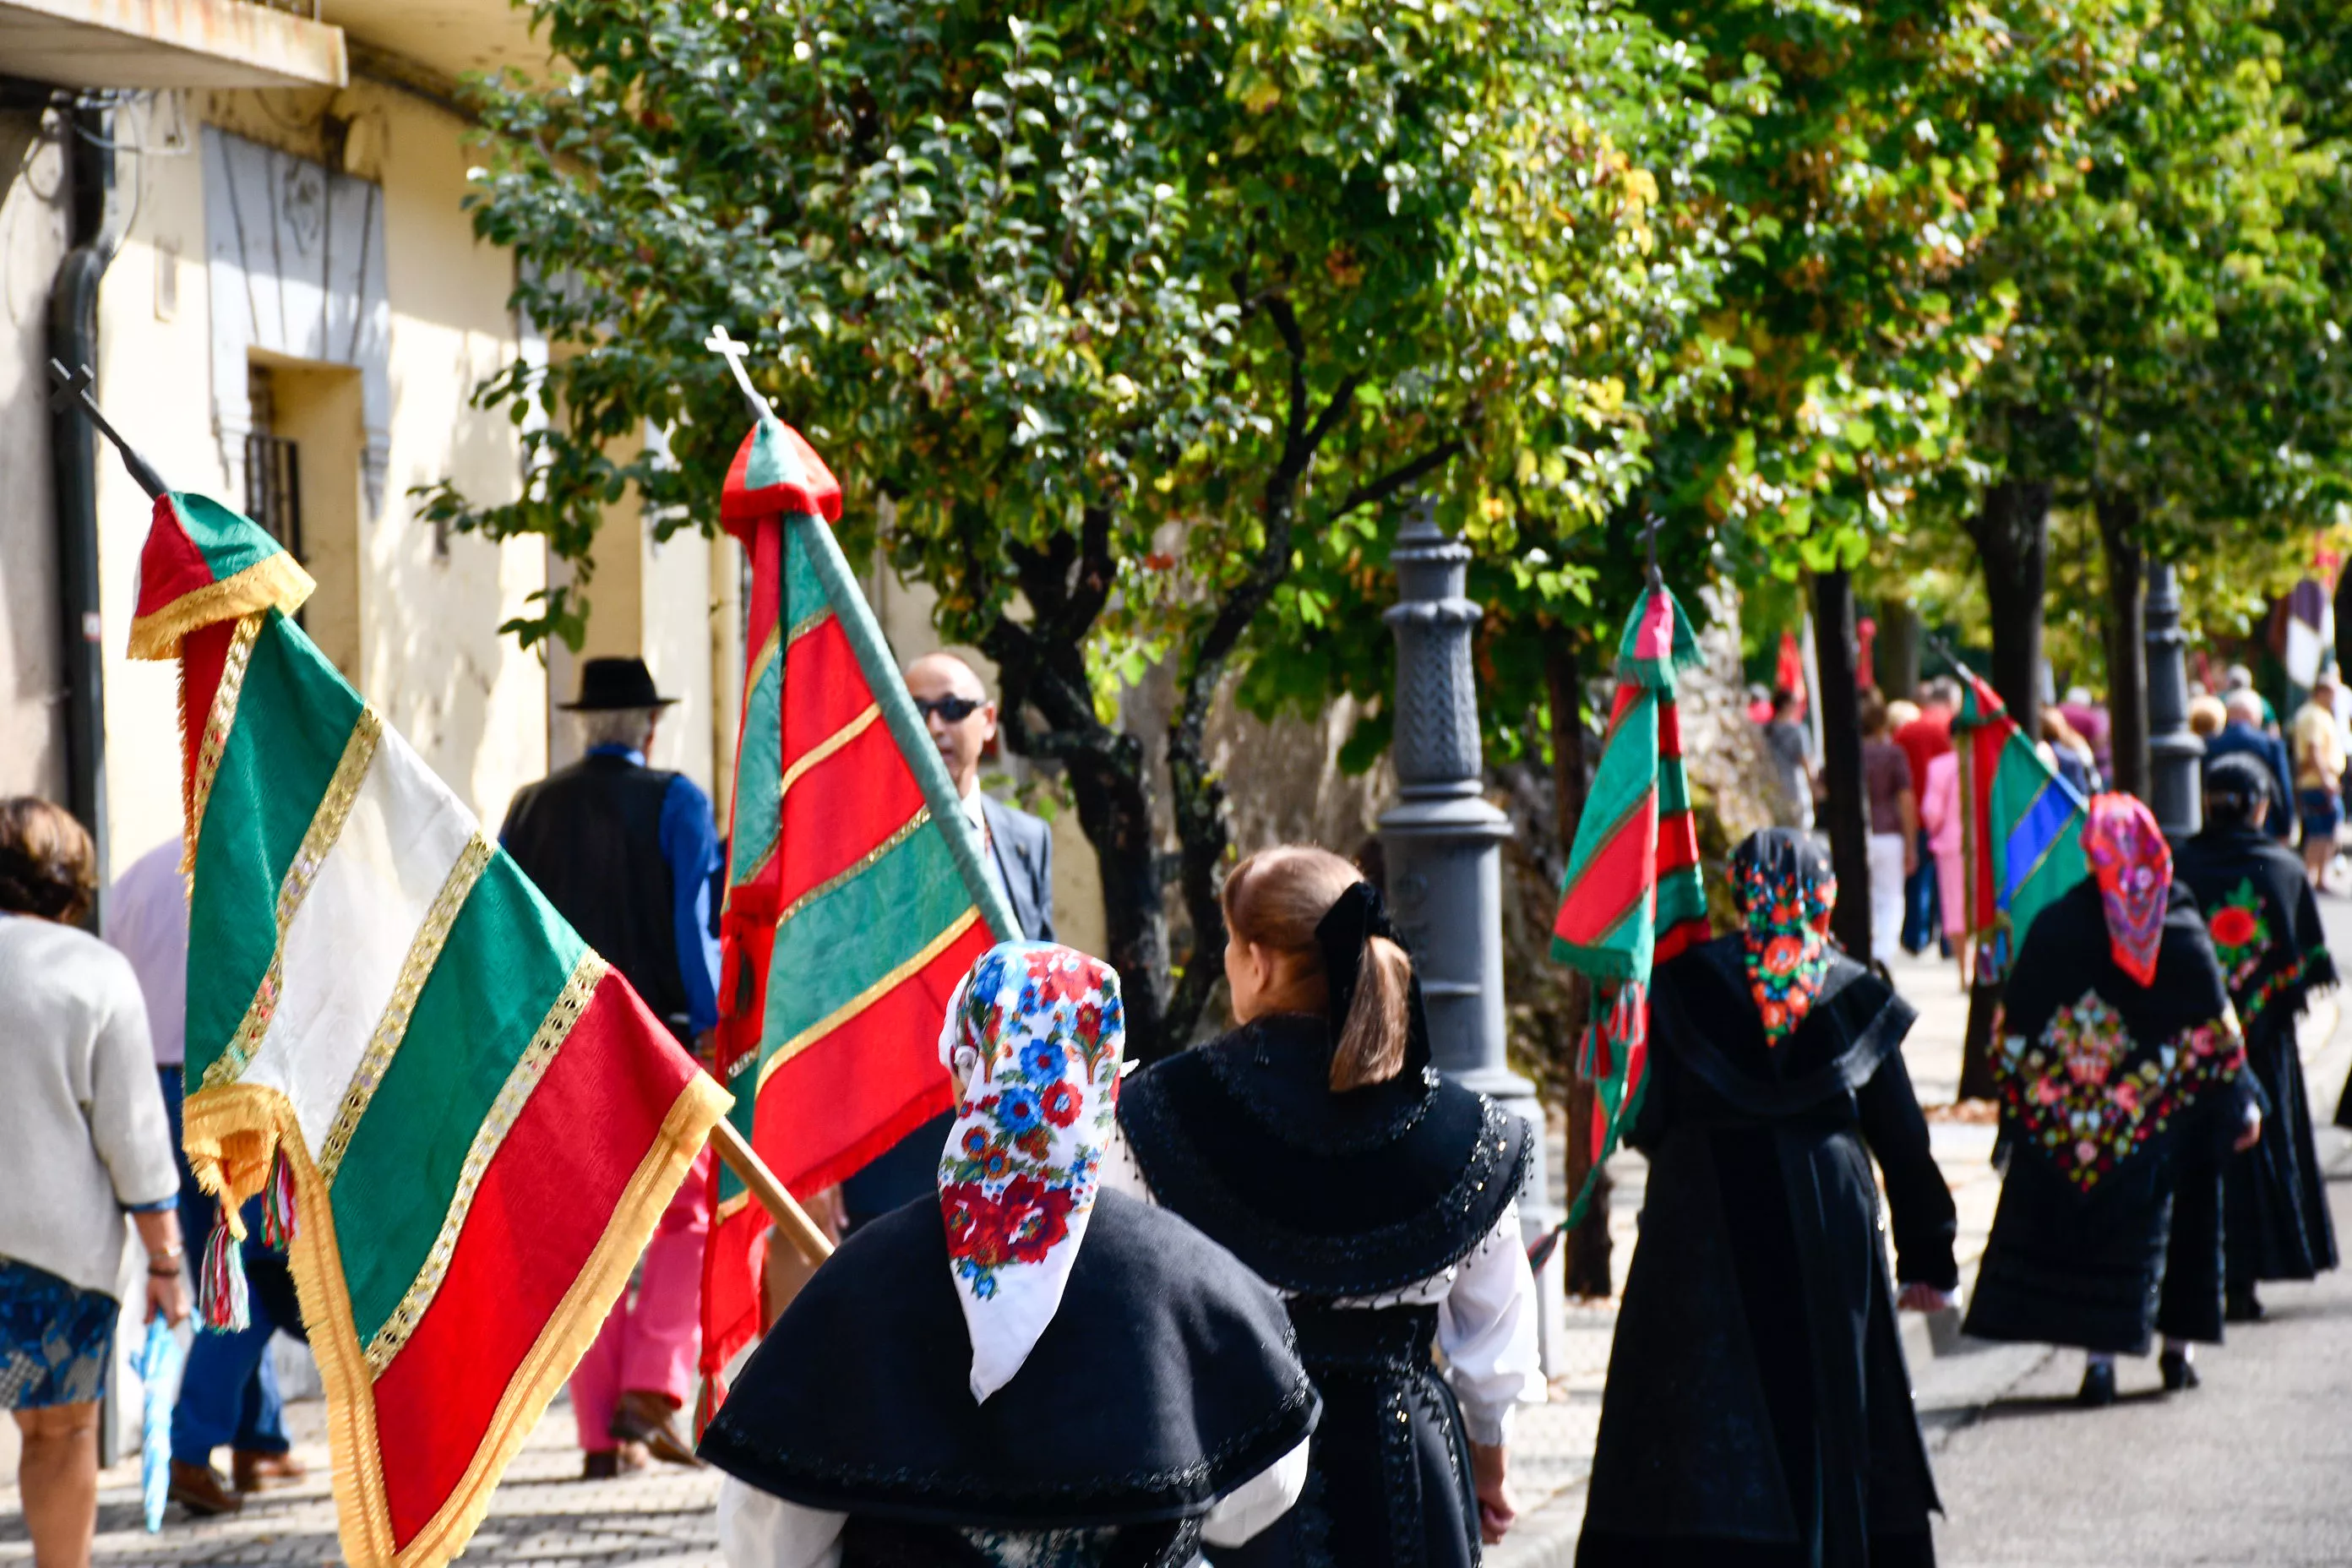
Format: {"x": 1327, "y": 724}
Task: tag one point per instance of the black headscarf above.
{"x": 1343, "y": 937}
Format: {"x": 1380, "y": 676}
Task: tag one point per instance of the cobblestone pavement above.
{"x": 544, "y": 1516}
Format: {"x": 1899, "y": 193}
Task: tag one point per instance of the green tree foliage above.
{"x": 1113, "y": 300}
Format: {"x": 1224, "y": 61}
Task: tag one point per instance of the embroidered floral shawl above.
{"x": 2263, "y": 918}
{"x": 1032, "y": 1039}
{"x": 2133, "y": 866}
{"x": 1784, "y": 892}
{"x": 2094, "y": 1067}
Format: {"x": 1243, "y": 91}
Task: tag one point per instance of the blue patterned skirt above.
{"x": 55, "y": 1342}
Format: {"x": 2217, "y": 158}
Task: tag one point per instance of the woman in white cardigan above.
{"x": 81, "y": 1116}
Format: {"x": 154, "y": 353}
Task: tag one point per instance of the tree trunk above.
{"x": 1899, "y": 652}
{"x": 1585, "y": 1270}
{"x": 1846, "y": 802}
{"x": 2011, "y": 531}
{"x": 2119, "y": 529}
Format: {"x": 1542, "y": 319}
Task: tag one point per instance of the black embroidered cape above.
{"x": 1758, "y": 1410}
{"x": 2263, "y": 921}
{"x": 2119, "y": 1102}
{"x": 1165, "y": 1380}
{"x": 1333, "y": 1198}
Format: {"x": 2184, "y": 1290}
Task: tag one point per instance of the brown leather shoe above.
{"x": 258, "y": 1471}
{"x": 646, "y": 1417}
{"x": 203, "y": 1490}
{"x": 611, "y": 1464}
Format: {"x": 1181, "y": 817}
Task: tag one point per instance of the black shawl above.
{"x": 1165, "y": 1381}
{"x": 2262, "y": 919}
{"x": 1322, "y": 1193}
{"x": 2094, "y": 1068}
{"x": 1707, "y": 1018}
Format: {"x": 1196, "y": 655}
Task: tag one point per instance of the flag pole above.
{"x": 791, "y": 1218}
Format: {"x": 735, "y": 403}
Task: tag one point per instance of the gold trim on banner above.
{"x": 864, "y": 999}
{"x": 275, "y": 581}
{"x": 522, "y": 1079}
{"x": 219, "y": 719}
{"x": 392, "y": 1029}
{"x": 806, "y": 624}
{"x": 578, "y": 1319}
{"x": 858, "y": 866}
{"x": 825, "y": 748}
{"x": 240, "y": 1124}
{"x": 326, "y": 826}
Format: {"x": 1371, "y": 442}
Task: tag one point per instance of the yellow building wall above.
{"x": 420, "y": 617}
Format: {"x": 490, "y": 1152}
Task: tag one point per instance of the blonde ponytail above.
{"x": 1275, "y": 898}
{"x": 1371, "y": 1046}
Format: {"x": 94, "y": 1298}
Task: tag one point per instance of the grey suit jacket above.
{"x": 1024, "y": 848}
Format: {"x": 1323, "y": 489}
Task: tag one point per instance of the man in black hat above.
{"x": 627, "y": 854}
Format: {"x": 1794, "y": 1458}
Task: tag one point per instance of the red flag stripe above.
{"x": 555, "y": 1230}
{"x": 850, "y": 804}
{"x": 1622, "y": 862}
{"x": 824, "y": 691}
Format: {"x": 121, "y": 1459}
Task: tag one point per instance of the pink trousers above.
{"x": 654, "y": 1336}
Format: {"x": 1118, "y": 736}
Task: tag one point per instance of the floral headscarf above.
{"x": 2133, "y": 867}
{"x": 1032, "y": 1037}
{"x": 1784, "y": 892}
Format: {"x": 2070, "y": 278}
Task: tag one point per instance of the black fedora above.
{"x": 606, "y": 684}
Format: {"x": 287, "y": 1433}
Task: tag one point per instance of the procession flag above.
{"x": 1632, "y": 898}
{"x": 467, "y": 1122}
{"x": 856, "y": 899}
{"x": 2021, "y": 823}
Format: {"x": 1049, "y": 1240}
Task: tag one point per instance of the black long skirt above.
{"x": 2276, "y": 1221}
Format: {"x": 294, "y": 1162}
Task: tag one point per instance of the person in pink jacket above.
{"x": 1939, "y": 812}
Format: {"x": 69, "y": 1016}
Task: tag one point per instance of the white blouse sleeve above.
{"x": 1487, "y": 1326}
{"x": 758, "y": 1529}
{"x": 1258, "y": 1503}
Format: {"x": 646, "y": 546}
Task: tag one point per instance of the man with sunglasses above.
{"x": 1019, "y": 854}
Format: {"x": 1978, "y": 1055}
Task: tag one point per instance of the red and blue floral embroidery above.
{"x": 1785, "y": 942}
{"x": 1036, "y": 1042}
{"x": 2071, "y": 1095}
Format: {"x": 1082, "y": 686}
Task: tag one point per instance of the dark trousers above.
{"x": 1923, "y": 921}
{"x": 229, "y": 1392}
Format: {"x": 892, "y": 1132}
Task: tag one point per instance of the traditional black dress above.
{"x": 2118, "y": 1103}
{"x": 1758, "y": 1410}
{"x": 1334, "y": 1198}
{"x": 1164, "y": 1381}
{"x": 2263, "y": 921}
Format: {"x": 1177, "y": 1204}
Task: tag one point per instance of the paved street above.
{"x": 2251, "y": 1470}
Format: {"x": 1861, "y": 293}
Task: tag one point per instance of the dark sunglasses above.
{"x": 954, "y": 710}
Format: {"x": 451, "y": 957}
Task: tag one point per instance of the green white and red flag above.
{"x": 855, "y": 898}
{"x": 468, "y": 1121}
{"x": 1632, "y": 897}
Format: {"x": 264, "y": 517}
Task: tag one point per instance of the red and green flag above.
{"x": 2020, "y": 826}
{"x": 856, "y": 897}
{"x": 1632, "y": 897}
{"x": 467, "y": 1122}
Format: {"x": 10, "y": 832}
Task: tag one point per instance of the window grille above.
{"x": 273, "y": 488}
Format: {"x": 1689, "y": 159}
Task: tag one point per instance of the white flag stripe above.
{"x": 349, "y": 943}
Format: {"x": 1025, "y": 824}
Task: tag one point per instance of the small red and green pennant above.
{"x": 856, "y": 897}
{"x": 1632, "y": 898}
{"x": 467, "y": 1123}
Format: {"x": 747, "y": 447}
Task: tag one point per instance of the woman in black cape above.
{"x": 1318, "y": 1143}
{"x": 1030, "y": 1371}
{"x": 2123, "y": 1080}
{"x": 1758, "y": 1412}
{"x": 2263, "y": 919}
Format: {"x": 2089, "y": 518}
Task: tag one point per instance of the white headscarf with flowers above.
{"x": 1032, "y": 1039}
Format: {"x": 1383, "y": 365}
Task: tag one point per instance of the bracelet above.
{"x": 171, "y": 1259}
{"x": 170, "y": 1271}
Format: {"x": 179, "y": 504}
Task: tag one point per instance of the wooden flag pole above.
{"x": 791, "y": 1218}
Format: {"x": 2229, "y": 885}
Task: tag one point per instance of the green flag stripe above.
{"x": 1681, "y": 895}
{"x": 506, "y": 960}
{"x": 842, "y": 943}
{"x": 758, "y": 782}
{"x": 294, "y": 718}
